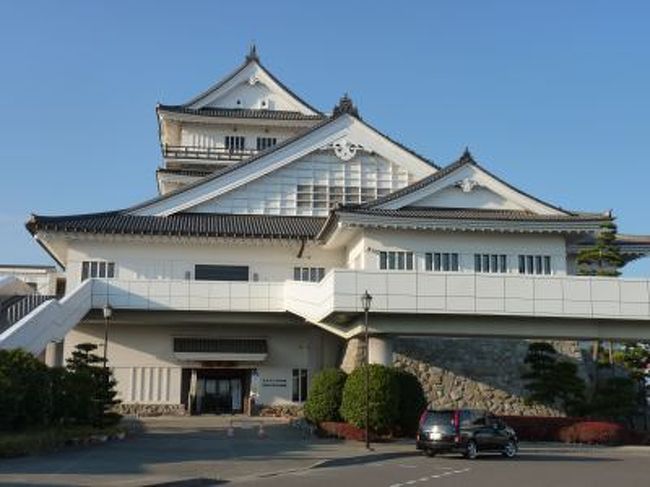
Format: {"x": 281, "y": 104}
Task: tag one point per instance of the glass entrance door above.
{"x": 219, "y": 393}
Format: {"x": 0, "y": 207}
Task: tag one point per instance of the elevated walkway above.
{"x": 404, "y": 303}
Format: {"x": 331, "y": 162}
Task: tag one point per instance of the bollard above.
{"x": 231, "y": 432}
{"x": 261, "y": 434}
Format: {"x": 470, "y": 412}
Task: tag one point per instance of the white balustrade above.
{"x": 393, "y": 292}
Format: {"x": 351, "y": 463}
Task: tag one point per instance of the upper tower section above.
{"x": 246, "y": 112}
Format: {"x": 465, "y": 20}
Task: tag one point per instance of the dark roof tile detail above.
{"x": 250, "y": 113}
{"x": 182, "y": 224}
{"x": 470, "y": 214}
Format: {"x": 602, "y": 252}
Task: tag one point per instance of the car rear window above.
{"x": 439, "y": 418}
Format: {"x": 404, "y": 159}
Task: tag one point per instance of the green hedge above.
{"x": 384, "y": 398}
{"x": 412, "y": 401}
{"x": 325, "y": 395}
{"x": 33, "y": 396}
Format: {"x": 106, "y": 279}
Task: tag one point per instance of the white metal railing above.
{"x": 394, "y": 292}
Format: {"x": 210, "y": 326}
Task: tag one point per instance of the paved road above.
{"x": 182, "y": 449}
{"x": 588, "y": 469}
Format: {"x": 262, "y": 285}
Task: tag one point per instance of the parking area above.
{"x": 209, "y": 450}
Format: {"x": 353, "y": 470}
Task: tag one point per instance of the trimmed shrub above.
{"x": 343, "y": 431}
{"x": 595, "y": 432}
{"x": 538, "y": 428}
{"x": 25, "y": 401}
{"x": 325, "y": 395}
{"x": 614, "y": 398}
{"x": 383, "y": 401}
{"x": 412, "y": 402}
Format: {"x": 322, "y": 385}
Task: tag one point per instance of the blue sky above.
{"x": 553, "y": 96}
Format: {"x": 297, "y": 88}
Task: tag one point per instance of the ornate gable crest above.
{"x": 345, "y": 149}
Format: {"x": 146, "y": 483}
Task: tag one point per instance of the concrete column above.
{"x": 54, "y": 354}
{"x": 381, "y": 350}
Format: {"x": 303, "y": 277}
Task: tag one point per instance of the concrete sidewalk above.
{"x": 201, "y": 449}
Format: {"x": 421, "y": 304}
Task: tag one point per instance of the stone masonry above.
{"x": 474, "y": 372}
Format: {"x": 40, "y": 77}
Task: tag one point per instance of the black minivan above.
{"x": 466, "y": 431}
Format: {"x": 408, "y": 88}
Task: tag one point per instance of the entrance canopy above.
{"x": 220, "y": 349}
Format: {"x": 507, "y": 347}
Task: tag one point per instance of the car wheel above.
{"x": 430, "y": 453}
{"x": 510, "y": 450}
{"x": 471, "y": 450}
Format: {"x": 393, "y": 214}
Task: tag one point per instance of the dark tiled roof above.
{"x": 189, "y": 172}
{"x": 240, "y": 113}
{"x": 465, "y": 159}
{"x": 249, "y": 59}
{"x": 182, "y": 224}
{"x": 470, "y": 214}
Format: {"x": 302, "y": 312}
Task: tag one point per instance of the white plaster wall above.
{"x": 213, "y": 135}
{"x": 466, "y": 244}
{"x": 276, "y": 193}
{"x": 146, "y": 259}
{"x": 453, "y": 197}
{"x": 147, "y": 371}
{"x": 43, "y": 279}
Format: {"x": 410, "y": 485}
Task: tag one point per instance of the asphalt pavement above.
{"x": 201, "y": 451}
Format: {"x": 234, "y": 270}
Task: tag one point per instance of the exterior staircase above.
{"x": 39, "y": 323}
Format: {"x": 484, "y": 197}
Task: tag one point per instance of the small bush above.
{"x": 343, "y": 431}
{"x": 383, "y": 401}
{"x": 412, "y": 402}
{"x": 595, "y": 432}
{"x": 25, "y": 401}
{"x": 325, "y": 395}
{"x": 614, "y": 398}
{"x": 538, "y": 428}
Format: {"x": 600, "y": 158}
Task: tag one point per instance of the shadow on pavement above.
{"x": 366, "y": 458}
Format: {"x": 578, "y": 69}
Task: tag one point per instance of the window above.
{"x": 535, "y": 264}
{"x": 309, "y": 274}
{"x": 264, "y": 143}
{"x": 94, "y": 268}
{"x": 491, "y": 263}
{"x": 396, "y": 261}
{"x": 437, "y": 261}
{"x": 204, "y": 272}
{"x": 299, "y": 385}
{"x": 235, "y": 143}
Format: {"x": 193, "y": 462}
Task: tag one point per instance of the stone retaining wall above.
{"x": 475, "y": 373}
{"x": 143, "y": 410}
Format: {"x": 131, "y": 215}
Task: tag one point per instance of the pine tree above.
{"x": 553, "y": 381}
{"x": 93, "y": 385}
{"x": 604, "y": 258}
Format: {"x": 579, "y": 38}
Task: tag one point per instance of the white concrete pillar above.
{"x": 54, "y": 354}
{"x": 381, "y": 350}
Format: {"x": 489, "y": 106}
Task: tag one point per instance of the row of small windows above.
{"x": 400, "y": 261}
{"x": 237, "y": 143}
{"x": 441, "y": 261}
{"x": 450, "y": 262}
{"x": 490, "y": 263}
{"x": 534, "y": 264}
{"x": 95, "y": 268}
{"x": 308, "y": 274}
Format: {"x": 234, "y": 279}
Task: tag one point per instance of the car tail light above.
{"x": 456, "y": 423}
{"x": 423, "y": 416}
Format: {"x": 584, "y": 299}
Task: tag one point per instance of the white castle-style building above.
{"x": 244, "y": 275}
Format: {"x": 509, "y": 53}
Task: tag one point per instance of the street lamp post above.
{"x": 366, "y": 301}
{"x": 107, "y": 310}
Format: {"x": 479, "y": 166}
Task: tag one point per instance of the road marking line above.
{"x": 407, "y": 466}
{"x": 423, "y": 479}
{"x": 411, "y": 482}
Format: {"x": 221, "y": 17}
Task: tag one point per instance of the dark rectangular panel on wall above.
{"x": 204, "y": 272}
